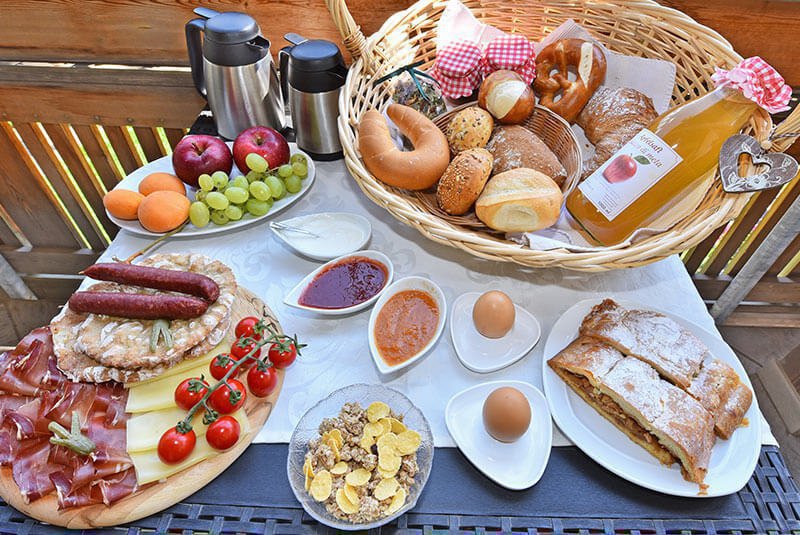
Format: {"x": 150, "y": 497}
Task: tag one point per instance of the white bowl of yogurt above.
{"x": 324, "y": 236}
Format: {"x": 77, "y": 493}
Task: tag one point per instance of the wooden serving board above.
{"x": 157, "y": 496}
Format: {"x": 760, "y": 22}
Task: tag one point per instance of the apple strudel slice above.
{"x": 679, "y": 356}
{"x": 720, "y": 390}
{"x": 675, "y": 352}
{"x": 663, "y": 419}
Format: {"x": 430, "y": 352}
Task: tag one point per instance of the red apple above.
{"x": 198, "y": 154}
{"x": 620, "y": 169}
{"x": 262, "y": 140}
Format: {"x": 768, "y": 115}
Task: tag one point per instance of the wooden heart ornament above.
{"x": 781, "y": 168}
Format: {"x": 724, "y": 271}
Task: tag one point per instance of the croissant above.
{"x": 610, "y": 119}
{"x": 417, "y": 169}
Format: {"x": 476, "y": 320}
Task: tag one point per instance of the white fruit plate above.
{"x": 164, "y": 165}
{"x": 732, "y": 461}
{"x": 517, "y": 465}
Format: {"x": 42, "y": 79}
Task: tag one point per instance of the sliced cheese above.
{"x": 144, "y": 430}
{"x": 185, "y": 365}
{"x": 160, "y": 393}
{"x": 150, "y": 468}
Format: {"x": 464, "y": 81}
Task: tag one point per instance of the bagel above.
{"x": 417, "y": 169}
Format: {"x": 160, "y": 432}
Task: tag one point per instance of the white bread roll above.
{"x": 519, "y": 200}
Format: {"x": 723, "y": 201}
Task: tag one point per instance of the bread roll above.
{"x": 463, "y": 181}
{"x": 470, "y": 128}
{"x": 515, "y": 146}
{"x": 507, "y": 97}
{"x": 416, "y": 169}
{"x": 520, "y": 200}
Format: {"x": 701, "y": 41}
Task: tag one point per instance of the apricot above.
{"x": 161, "y": 182}
{"x": 123, "y": 203}
{"x": 162, "y": 211}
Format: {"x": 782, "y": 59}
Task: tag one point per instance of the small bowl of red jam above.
{"x": 344, "y": 285}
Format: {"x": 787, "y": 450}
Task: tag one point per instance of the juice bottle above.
{"x": 646, "y": 177}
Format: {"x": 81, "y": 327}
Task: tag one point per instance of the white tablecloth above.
{"x": 338, "y": 354}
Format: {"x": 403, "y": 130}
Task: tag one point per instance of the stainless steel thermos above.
{"x": 312, "y": 75}
{"x": 232, "y": 67}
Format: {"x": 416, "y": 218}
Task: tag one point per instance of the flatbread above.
{"x": 97, "y": 348}
{"x": 125, "y": 343}
{"x": 80, "y": 368}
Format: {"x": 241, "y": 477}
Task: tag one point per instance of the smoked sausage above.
{"x": 171, "y": 280}
{"x": 138, "y": 306}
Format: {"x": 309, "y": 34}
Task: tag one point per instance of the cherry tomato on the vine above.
{"x": 262, "y": 382}
{"x": 222, "y": 399}
{"x": 174, "y": 446}
{"x": 217, "y": 369}
{"x": 239, "y": 352}
{"x": 247, "y": 327}
{"x": 223, "y": 433}
{"x": 282, "y": 358}
{"x": 187, "y": 395}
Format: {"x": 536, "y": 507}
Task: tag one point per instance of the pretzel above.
{"x": 574, "y": 93}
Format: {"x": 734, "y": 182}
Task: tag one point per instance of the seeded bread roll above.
{"x": 520, "y": 200}
{"x": 468, "y": 129}
{"x": 515, "y": 146}
{"x": 463, "y": 181}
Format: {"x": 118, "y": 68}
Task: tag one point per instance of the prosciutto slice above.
{"x": 33, "y": 393}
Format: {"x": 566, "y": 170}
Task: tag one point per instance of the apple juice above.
{"x": 646, "y": 177}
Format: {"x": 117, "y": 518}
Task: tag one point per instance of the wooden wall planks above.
{"x": 151, "y": 31}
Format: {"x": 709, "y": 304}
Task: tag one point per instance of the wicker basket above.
{"x": 633, "y": 27}
{"x": 549, "y": 127}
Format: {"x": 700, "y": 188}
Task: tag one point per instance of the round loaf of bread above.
{"x": 520, "y": 200}
{"x": 515, "y": 146}
{"x": 463, "y": 180}
{"x": 507, "y": 97}
{"x": 468, "y": 129}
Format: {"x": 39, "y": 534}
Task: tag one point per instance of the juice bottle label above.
{"x": 634, "y": 169}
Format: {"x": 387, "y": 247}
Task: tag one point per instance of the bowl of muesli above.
{"x": 360, "y": 458}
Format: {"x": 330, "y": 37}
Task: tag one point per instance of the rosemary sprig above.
{"x": 72, "y": 439}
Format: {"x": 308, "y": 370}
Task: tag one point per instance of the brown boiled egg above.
{"x": 506, "y": 414}
{"x": 493, "y": 314}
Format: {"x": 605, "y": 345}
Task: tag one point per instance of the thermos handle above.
{"x": 194, "y": 43}
{"x": 283, "y": 65}
{"x": 283, "y": 61}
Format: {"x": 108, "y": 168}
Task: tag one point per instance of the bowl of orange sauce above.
{"x": 406, "y": 322}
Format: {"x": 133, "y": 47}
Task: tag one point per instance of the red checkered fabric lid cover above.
{"x": 758, "y": 81}
{"x": 511, "y": 52}
{"x": 457, "y": 69}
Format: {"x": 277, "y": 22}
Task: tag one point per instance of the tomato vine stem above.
{"x": 274, "y": 338}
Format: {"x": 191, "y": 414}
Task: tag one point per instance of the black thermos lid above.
{"x": 231, "y": 28}
{"x": 316, "y": 66}
{"x": 233, "y": 39}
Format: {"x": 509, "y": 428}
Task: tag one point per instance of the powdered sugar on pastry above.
{"x": 675, "y": 352}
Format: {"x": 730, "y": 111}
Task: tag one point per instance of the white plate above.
{"x": 164, "y": 165}
{"x": 293, "y": 297}
{"x": 732, "y": 461}
{"x": 340, "y": 233}
{"x": 408, "y": 283}
{"x": 485, "y": 355}
{"x": 516, "y": 465}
